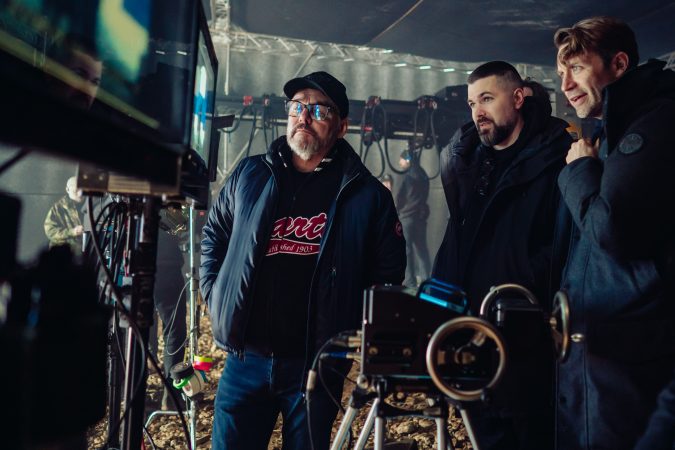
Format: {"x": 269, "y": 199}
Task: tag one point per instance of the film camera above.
{"x": 424, "y": 341}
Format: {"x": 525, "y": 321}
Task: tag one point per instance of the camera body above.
{"x": 398, "y": 325}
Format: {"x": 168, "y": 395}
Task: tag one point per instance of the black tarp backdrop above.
{"x": 456, "y": 30}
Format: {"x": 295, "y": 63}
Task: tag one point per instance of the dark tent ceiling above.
{"x": 456, "y": 30}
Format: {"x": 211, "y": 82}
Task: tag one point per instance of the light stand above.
{"x": 193, "y": 327}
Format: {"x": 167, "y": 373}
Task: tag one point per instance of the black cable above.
{"x": 374, "y": 138}
{"x": 311, "y": 380}
{"x": 252, "y": 133}
{"x": 14, "y": 159}
{"x": 382, "y": 160}
{"x": 129, "y": 402}
{"x": 434, "y": 136}
{"x": 325, "y": 386}
{"x": 135, "y": 329}
{"x": 385, "y": 151}
{"x": 147, "y": 434}
{"x": 308, "y": 391}
{"x": 187, "y": 338}
{"x": 236, "y": 125}
{"x": 362, "y": 132}
{"x": 333, "y": 399}
{"x": 173, "y": 319}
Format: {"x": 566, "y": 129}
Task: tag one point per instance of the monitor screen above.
{"x": 129, "y": 64}
{"x": 206, "y": 71}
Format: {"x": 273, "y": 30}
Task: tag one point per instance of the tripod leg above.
{"x": 379, "y": 432}
{"x": 469, "y": 428}
{"x": 441, "y": 433}
{"x": 367, "y": 426}
{"x": 345, "y": 426}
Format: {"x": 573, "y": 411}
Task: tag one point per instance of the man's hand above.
{"x": 78, "y": 230}
{"x": 581, "y": 149}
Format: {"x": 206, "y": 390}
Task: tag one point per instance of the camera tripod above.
{"x": 381, "y": 411}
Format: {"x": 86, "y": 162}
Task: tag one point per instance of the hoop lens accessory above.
{"x": 294, "y": 108}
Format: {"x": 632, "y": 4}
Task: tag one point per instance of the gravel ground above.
{"x": 167, "y": 433}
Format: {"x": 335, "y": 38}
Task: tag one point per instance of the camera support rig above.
{"x": 422, "y": 342}
{"x": 464, "y": 359}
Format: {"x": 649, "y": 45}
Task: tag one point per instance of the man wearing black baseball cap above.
{"x": 290, "y": 244}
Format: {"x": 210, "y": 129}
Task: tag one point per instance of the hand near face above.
{"x": 581, "y": 149}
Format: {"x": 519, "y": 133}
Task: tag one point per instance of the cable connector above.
{"x": 348, "y": 339}
{"x": 311, "y": 381}
{"x": 341, "y": 355}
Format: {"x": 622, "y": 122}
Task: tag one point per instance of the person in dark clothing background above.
{"x": 619, "y": 188}
{"x": 292, "y": 241}
{"x": 170, "y": 303}
{"x": 413, "y": 211}
{"x": 499, "y": 177}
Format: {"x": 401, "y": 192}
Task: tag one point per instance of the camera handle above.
{"x": 560, "y": 325}
{"x": 486, "y": 304}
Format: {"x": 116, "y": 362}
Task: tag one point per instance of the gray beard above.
{"x": 306, "y": 151}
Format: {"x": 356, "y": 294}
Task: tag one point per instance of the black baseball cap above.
{"x": 324, "y": 82}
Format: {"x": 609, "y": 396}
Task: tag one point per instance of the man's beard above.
{"x": 306, "y": 146}
{"x": 495, "y": 135}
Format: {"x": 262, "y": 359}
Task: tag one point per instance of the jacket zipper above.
{"x": 311, "y": 286}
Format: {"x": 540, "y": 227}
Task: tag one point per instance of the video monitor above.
{"x": 111, "y": 82}
{"x": 204, "y": 138}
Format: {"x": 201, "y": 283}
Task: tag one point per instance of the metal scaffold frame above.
{"x": 238, "y": 40}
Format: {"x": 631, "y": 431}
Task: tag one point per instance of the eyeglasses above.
{"x": 483, "y": 184}
{"x": 294, "y": 108}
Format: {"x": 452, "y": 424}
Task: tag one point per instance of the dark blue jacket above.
{"x": 620, "y": 272}
{"x": 660, "y": 434}
{"x": 363, "y": 245}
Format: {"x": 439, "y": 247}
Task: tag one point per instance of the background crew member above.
{"x": 413, "y": 210}
{"x": 499, "y": 178}
{"x": 170, "y": 303}
{"x": 619, "y": 276}
{"x": 290, "y": 244}
{"x": 63, "y": 224}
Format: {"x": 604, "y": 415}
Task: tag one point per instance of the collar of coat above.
{"x": 628, "y": 97}
{"x": 279, "y": 155}
{"x": 541, "y": 149}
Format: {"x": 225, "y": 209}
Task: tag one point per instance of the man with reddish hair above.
{"x": 618, "y": 186}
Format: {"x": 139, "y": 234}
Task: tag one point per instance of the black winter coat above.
{"x": 660, "y": 433}
{"x": 520, "y": 217}
{"x": 363, "y": 245}
{"x": 620, "y": 273}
